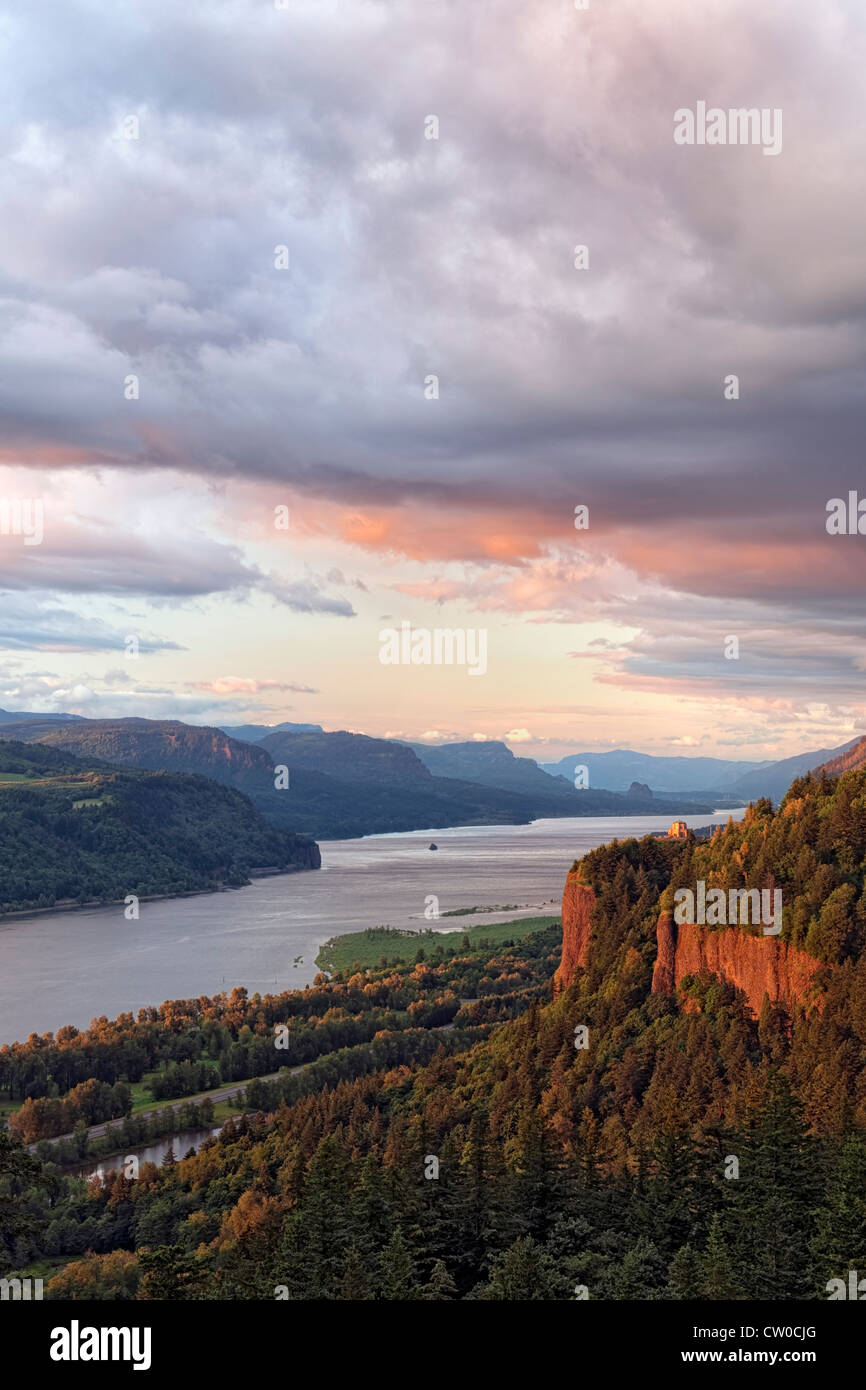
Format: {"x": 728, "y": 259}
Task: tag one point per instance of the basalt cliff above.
{"x": 577, "y": 902}
{"x": 757, "y": 965}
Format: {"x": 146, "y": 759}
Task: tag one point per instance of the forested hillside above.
{"x": 813, "y": 849}
{"x": 69, "y": 834}
{"x": 608, "y": 1139}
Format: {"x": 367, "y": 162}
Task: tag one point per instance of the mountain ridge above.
{"x": 320, "y": 797}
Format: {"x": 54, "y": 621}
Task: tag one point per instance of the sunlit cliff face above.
{"x": 758, "y": 965}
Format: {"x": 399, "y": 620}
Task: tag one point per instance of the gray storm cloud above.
{"x": 408, "y": 256}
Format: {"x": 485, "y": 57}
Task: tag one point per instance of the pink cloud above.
{"x": 246, "y": 685}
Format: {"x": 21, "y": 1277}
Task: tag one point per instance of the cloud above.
{"x": 30, "y": 623}
{"x": 143, "y": 535}
{"x": 558, "y": 387}
{"x": 79, "y": 695}
{"x": 231, "y": 685}
{"x": 155, "y": 256}
{"x": 306, "y": 596}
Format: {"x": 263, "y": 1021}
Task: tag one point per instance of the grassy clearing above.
{"x": 225, "y": 1109}
{"x": 46, "y": 1268}
{"x": 368, "y": 948}
{"x": 142, "y": 1097}
{"x": 7, "y": 1108}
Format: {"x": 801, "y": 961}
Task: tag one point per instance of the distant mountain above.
{"x": 322, "y": 798}
{"x": 467, "y": 772}
{"x": 349, "y": 757}
{"x": 616, "y": 770}
{"x": 775, "y": 779}
{"x": 341, "y": 784}
{"x": 15, "y": 716}
{"x": 253, "y": 733}
{"x": 156, "y": 744}
{"x": 491, "y": 764}
{"x": 852, "y": 760}
{"x": 72, "y": 833}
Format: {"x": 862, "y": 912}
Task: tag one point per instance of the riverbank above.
{"x": 68, "y": 905}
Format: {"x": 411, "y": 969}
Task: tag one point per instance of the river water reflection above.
{"x": 154, "y": 1152}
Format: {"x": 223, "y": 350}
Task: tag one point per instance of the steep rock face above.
{"x": 577, "y": 901}
{"x": 664, "y": 972}
{"x": 754, "y": 964}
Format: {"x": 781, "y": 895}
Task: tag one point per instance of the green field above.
{"x": 7, "y": 1107}
{"x": 142, "y": 1100}
{"x": 368, "y": 948}
{"x": 142, "y": 1096}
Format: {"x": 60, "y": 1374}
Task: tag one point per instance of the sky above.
{"x": 296, "y": 347}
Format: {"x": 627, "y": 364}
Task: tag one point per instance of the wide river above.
{"x": 70, "y": 967}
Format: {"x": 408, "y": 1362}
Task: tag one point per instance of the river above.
{"x": 70, "y": 967}
{"x": 154, "y": 1152}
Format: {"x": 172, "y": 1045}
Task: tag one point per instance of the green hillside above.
{"x": 85, "y": 835}
{"x": 628, "y": 1144}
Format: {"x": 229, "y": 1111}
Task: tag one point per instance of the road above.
{"x": 218, "y": 1094}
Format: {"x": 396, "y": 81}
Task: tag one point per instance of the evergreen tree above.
{"x": 840, "y": 1240}
{"x": 717, "y": 1280}
{"x": 355, "y": 1287}
{"x": 641, "y": 1274}
{"x": 685, "y": 1274}
{"x": 440, "y": 1285}
{"x": 525, "y": 1272}
{"x": 774, "y": 1198}
{"x": 398, "y": 1277}
{"x": 313, "y": 1251}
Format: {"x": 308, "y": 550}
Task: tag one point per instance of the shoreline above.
{"x": 432, "y": 830}
{"x": 68, "y": 906}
